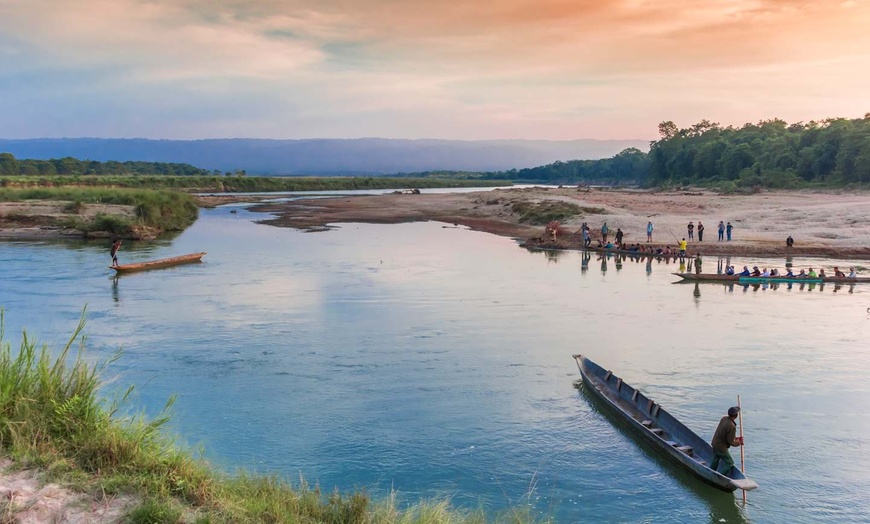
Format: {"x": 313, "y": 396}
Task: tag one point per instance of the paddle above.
{"x": 743, "y": 446}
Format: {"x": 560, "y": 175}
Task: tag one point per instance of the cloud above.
{"x": 544, "y": 68}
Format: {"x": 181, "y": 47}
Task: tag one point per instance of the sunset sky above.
{"x": 537, "y": 69}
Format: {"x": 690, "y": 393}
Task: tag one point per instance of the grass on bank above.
{"x": 246, "y": 184}
{"x": 52, "y": 417}
{"x": 164, "y": 210}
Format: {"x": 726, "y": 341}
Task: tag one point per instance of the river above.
{"x": 436, "y": 361}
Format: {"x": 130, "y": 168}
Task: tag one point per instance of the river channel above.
{"x": 436, "y": 361}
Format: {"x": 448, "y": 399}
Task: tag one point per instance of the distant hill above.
{"x": 364, "y": 156}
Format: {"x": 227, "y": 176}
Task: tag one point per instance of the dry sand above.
{"x": 821, "y": 223}
{"x": 28, "y": 500}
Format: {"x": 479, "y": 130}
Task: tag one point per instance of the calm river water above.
{"x": 437, "y": 361}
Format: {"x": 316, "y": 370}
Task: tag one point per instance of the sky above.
{"x": 452, "y": 69}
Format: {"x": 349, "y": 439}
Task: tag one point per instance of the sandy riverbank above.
{"x": 822, "y": 223}
{"x": 41, "y": 219}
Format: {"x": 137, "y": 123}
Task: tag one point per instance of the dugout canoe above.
{"x": 658, "y": 428}
{"x": 767, "y": 280}
{"x": 159, "y": 264}
{"x": 715, "y": 277}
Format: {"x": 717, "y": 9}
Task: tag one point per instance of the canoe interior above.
{"x": 158, "y": 264}
{"x": 658, "y": 427}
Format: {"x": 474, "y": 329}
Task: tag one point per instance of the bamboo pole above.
{"x": 742, "y": 447}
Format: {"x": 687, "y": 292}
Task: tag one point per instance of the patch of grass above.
{"x": 162, "y": 210}
{"x": 54, "y": 418}
{"x": 541, "y": 213}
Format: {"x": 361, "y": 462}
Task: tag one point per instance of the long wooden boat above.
{"x": 159, "y": 264}
{"x": 715, "y": 277}
{"x": 767, "y": 280}
{"x": 658, "y": 428}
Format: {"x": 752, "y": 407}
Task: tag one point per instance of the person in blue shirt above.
{"x": 745, "y": 272}
{"x": 729, "y": 270}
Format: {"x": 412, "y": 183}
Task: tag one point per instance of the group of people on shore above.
{"x": 775, "y": 273}
{"x": 723, "y": 229}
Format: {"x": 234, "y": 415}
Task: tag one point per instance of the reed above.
{"x": 54, "y": 417}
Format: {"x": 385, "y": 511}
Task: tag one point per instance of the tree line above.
{"x": 771, "y": 153}
{"x": 10, "y": 166}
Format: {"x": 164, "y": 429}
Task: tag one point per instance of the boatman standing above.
{"x": 116, "y": 245}
{"x": 725, "y": 437}
{"x": 683, "y": 245}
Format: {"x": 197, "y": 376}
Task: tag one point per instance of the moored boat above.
{"x": 658, "y": 428}
{"x": 767, "y": 280}
{"x": 716, "y": 277}
{"x": 159, "y": 264}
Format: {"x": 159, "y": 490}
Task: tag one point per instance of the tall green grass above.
{"x": 162, "y": 209}
{"x": 54, "y": 417}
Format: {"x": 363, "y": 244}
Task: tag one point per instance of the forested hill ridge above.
{"x": 11, "y": 166}
{"x": 771, "y": 153}
{"x": 325, "y": 157}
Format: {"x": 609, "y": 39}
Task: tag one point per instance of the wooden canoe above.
{"x": 767, "y": 280}
{"x": 159, "y": 264}
{"x": 657, "y": 427}
{"x": 715, "y": 277}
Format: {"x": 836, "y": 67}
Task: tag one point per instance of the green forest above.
{"x": 769, "y": 154}
{"x": 10, "y": 166}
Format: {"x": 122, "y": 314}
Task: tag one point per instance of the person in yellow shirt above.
{"x": 683, "y": 245}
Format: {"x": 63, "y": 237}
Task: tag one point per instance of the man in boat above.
{"x": 812, "y": 273}
{"x": 745, "y": 272}
{"x": 729, "y": 270}
{"x": 698, "y": 264}
{"x": 725, "y": 437}
{"x": 116, "y": 245}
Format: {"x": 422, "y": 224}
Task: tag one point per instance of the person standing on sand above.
{"x": 700, "y": 231}
{"x": 116, "y": 245}
{"x": 604, "y": 231}
{"x": 691, "y": 228}
{"x": 649, "y": 230}
{"x": 728, "y": 229}
{"x": 721, "y": 231}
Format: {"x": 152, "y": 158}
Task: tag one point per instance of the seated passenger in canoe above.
{"x": 812, "y": 273}
{"x": 745, "y": 272}
{"x": 730, "y": 271}
{"x": 822, "y": 273}
{"x": 838, "y": 273}
{"x": 789, "y": 273}
{"x": 852, "y": 273}
{"x": 765, "y": 273}
{"x": 802, "y": 274}
{"x": 774, "y": 272}
{"x": 755, "y": 272}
